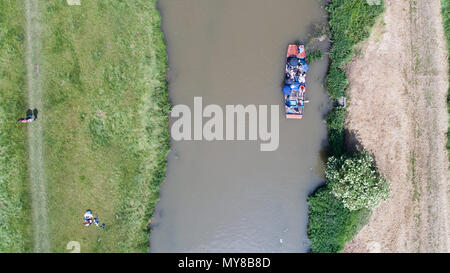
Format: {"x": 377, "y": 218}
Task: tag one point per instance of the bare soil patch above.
{"x": 397, "y": 110}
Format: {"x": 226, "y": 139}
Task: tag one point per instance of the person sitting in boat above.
{"x": 288, "y": 80}
{"x": 305, "y": 67}
{"x": 292, "y": 61}
{"x": 295, "y": 86}
{"x": 302, "y": 89}
{"x": 294, "y": 110}
{"x": 302, "y": 79}
{"x": 301, "y": 49}
{"x": 292, "y": 74}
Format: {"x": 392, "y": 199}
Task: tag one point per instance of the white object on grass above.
{"x": 74, "y": 2}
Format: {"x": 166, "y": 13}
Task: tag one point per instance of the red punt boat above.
{"x": 294, "y": 88}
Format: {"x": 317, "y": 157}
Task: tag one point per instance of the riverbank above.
{"x": 15, "y": 213}
{"x": 398, "y": 90}
{"x": 105, "y": 121}
{"x": 331, "y": 224}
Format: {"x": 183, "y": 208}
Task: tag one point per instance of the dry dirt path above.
{"x": 397, "y": 110}
{"x": 36, "y": 170}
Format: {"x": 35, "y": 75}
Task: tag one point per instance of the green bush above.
{"x": 350, "y": 23}
{"x": 313, "y": 56}
{"x": 336, "y": 82}
{"x": 356, "y": 182}
{"x": 331, "y": 225}
{"x": 341, "y": 207}
{"x": 335, "y": 122}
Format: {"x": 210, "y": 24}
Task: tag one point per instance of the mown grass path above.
{"x": 37, "y": 177}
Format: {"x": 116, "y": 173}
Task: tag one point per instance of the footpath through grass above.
{"x": 106, "y": 121}
{"x": 331, "y": 225}
{"x": 15, "y": 218}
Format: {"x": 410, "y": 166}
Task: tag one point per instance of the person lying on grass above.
{"x": 30, "y": 117}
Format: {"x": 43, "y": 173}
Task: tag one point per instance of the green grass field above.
{"x": 105, "y": 123}
{"x": 105, "y": 119}
{"x": 15, "y": 219}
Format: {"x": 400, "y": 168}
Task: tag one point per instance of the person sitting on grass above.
{"x": 88, "y": 218}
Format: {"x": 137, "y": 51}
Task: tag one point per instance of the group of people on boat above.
{"x": 295, "y": 81}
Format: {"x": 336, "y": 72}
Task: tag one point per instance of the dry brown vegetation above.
{"x": 397, "y": 92}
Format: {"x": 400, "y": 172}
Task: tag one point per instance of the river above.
{"x": 228, "y": 196}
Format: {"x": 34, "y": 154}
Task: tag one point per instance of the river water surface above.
{"x": 228, "y": 196}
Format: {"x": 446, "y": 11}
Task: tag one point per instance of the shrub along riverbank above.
{"x": 105, "y": 121}
{"x": 15, "y": 220}
{"x": 333, "y": 219}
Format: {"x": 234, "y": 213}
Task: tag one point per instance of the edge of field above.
{"x": 15, "y": 204}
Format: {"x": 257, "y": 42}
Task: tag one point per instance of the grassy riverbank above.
{"x": 350, "y": 23}
{"x": 331, "y": 224}
{"x": 105, "y": 121}
{"x": 15, "y": 220}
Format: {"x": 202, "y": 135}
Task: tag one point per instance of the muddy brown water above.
{"x": 228, "y": 196}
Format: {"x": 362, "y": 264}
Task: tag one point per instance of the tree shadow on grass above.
{"x": 352, "y": 143}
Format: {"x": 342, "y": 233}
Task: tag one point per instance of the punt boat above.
{"x": 294, "y": 87}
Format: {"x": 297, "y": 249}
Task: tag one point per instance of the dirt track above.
{"x": 36, "y": 170}
{"x": 397, "y": 110}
